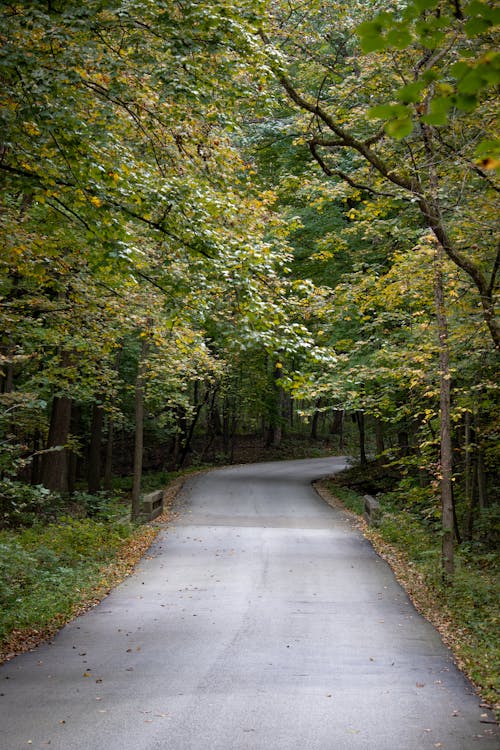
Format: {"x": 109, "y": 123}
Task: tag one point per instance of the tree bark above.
{"x": 94, "y": 459}
{"x": 315, "y": 421}
{"x": 379, "y": 437}
{"x": 337, "y": 426}
{"x": 55, "y": 460}
{"x": 275, "y": 432}
{"x": 360, "y": 421}
{"x": 108, "y": 466}
{"x": 481, "y": 481}
{"x": 73, "y": 457}
{"x": 139, "y": 434}
{"x": 446, "y": 455}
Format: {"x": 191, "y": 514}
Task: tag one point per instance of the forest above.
{"x": 245, "y": 230}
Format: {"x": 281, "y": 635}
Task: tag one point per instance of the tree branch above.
{"x": 331, "y": 172}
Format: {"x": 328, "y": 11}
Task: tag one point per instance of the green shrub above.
{"x": 23, "y": 504}
{"x": 44, "y": 569}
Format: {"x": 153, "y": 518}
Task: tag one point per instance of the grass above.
{"x": 466, "y": 612}
{"x": 49, "y": 573}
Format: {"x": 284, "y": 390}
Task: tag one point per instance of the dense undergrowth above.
{"x": 51, "y": 570}
{"x": 466, "y": 610}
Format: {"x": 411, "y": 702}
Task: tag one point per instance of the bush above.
{"x": 22, "y": 504}
{"x": 45, "y": 569}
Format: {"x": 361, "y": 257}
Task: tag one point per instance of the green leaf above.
{"x": 430, "y": 76}
{"x": 471, "y": 83}
{"x": 411, "y": 92}
{"x": 388, "y": 112}
{"x": 422, "y": 5}
{"x": 489, "y": 68}
{"x": 370, "y": 34}
{"x": 435, "y": 118}
{"x": 381, "y": 112}
{"x": 466, "y": 102}
{"x": 459, "y": 69}
{"x": 399, "y": 128}
{"x": 488, "y": 148}
{"x": 441, "y": 104}
{"x": 476, "y": 8}
{"x": 399, "y": 38}
{"x": 429, "y": 32}
{"x": 476, "y": 26}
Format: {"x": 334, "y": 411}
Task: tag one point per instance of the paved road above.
{"x": 259, "y": 621}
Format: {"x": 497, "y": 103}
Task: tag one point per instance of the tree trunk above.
{"x": 481, "y": 481}
{"x": 360, "y": 421}
{"x": 276, "y": 417}
{"x": 379, "y": 437}
{"x": 139, "y": 434}
{"x": 469, "y": 478}
{"x": 36, "y": 463}
{"x": 94, "y": 459}
{"x": 108, "y": 466}
{"x": 337, "y": 426}
{"x": 190, "y": 431}
{"x": 7, "y": 378}
{"x": 73, "y": 457}
{"x": 55, "y": 461}
{"x": 403, "y": 443}
{"x": 315, "y": 420}
{"x": 446, "y": 455}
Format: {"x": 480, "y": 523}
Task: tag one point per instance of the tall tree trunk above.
{"x": 446, "y": 455}
{"x": 73, "y": 457}
{"x": 337, "y": 427}
{"x": 379, "y": 437}
{"x": 315, "y": 421}
{"x": 55, "y": 461}
{"x": 108, "y": 465}
{"x": 403, "y": 443}
{"x": 7, "y": 378}
{"x": 469, "y": 478}
{"x": 275, "y": 433}
{"x": 36, "y": 464}
{"x": 481, "y": 481}
{"x": 139, "y": 434}
{"x": 94, "y": 458}
{"x": 190, "y": 431}
{"x": 360, "y": 421}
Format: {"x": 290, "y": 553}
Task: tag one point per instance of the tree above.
{"x": 425, "y": 160}
{"x": 401, "y": 157}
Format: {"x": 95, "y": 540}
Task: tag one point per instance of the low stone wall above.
{"x": 373, "y": 511}
{"x": 152, "y": 504}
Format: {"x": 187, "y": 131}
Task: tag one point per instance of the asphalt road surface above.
{"x": 260, "y": 620}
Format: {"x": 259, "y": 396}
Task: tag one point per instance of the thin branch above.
{"x": 357, "y": 185}
{"x": 70, "y": 211}
{"x": 496, "y": 267}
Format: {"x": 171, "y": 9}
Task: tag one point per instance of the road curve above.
{"x": 260, "y": 620}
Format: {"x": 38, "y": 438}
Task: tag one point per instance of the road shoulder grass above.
{"x": 51, "y": 574}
